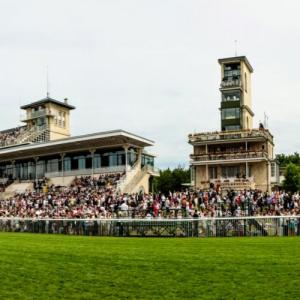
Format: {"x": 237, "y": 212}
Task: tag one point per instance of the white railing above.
{"x": 231, "y": 83}
{"x": 36, "y": 114}
{"x": 155, "y": 220}
{"x": 151, "y": 169}
{"x": 190, "y": 227}
{"x": 4, "y": 180}
{"x": 232, "y": 179}
{"x": 83, "y": 172}
{"x": 227, "y": 135}
{"x": 130, "y": 174}
{"x": 230, "y": 156}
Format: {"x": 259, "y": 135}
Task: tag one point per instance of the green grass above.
{"x": 70, "y": 267}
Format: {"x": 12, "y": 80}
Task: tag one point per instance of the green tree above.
{"x": 291, "y": 182}
{"x": 284, "y": 159}
{"x": 171, "y": 180}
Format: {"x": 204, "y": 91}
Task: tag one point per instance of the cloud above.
{"x": 150, "y": 67}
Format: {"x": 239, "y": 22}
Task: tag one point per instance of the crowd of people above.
{"x": 98, "y": 197}
{"x": 9, "y": 137}
{"x": 4, "y": 183}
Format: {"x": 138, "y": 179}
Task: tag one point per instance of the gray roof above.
{"x": 75, "y": 143}
{"x": 47, "y": 100}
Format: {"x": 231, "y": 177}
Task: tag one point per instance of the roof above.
{"x": 97, "y": 140}
{"x": 235, "y": 59}
{"x": 11, "y": 129}
{"x": 47, "y": 100}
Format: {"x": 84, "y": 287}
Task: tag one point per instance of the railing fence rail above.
{"x": 198, "y": 227}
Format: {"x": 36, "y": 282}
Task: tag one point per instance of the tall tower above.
{"x": 47, "y": 119}
{"x": 236, "y": 103}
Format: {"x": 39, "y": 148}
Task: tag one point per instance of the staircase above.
{"x": 34, "y": 135}
{"x": 19, "y": 188}
{"x": 128, "y": 177}
{"x": 132, "y": 184}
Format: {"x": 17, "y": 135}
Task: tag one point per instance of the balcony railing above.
{"x": 83, "y": 172}
{"x": 234, "y": 183}
{"x": 229, "y": 156}
{"x": 232, "y": 180}
{"x": 231, "y": 83}
{"x": 36, "y": 114}
{"x": 229, "y": 135}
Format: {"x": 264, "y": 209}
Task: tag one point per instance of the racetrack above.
{"x": 37, "y": 266}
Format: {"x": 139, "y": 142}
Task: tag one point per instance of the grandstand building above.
{"x": 44, "y": 148}
{"x": 239, "y": 156}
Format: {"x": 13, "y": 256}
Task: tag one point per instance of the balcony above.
{"x": 230, "y": 135}
{"x": 234, "y": 183}
{"x": 233, "y": 83}
{"x": 85, "y": 172}
{"x": 242, "y": 155}
{"x": 36, "y": 114}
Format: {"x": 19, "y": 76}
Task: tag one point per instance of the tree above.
{"x": 291, "y": 182}
{"x": 171, "y": 180}
{"x": 284, "y": 159}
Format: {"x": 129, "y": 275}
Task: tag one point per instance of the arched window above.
{"x": 245, "y": 82}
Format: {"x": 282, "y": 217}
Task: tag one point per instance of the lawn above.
{"x": 34, "y": 266}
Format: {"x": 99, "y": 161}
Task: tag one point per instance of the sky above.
{"x": 150, "y": 66}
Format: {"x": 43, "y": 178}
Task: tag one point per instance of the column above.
{"x": 206, "y": 172}
{"x": 247, "y": 170}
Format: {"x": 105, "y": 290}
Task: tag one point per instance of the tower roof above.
{"x": 236, "y": 59}
{"x": 47, "y": 100}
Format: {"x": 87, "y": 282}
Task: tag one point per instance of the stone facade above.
{"x": 239, "y": 156}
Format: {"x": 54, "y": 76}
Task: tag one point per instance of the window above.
{"x": 81, "y": 163}
{"x": 60, "y": 119}
{"x": 132, "y": 156}
{"x": 232, "y": 127}
{"x": 273, "y": 169}
{"x": 230, "y": 113}
{"x": 63, "y": 120}
{"x": 212, "y": 172}
{"x": 67, "y": 164}
{"x": 97, "y": 161}
{"x": 231, "y": 96}
{"x": 249, "y": 171}
{"x": 113, "y": 159}
{"x": 40, "y": 169}
{"x": 53, "y": 165}
{"x": 230, "y": 171}
{"x": 232, "y": 71}
{"x": 147, "y": 160}
{"x": 245, "y": 82}
{"x": 78, "y": 163}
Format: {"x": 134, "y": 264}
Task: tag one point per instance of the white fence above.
{"x": 83, "y": 172}
{"x": 200, "y": 227}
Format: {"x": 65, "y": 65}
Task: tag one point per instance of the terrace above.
{"x": 230, "y": 135}
{"x": 251, "y": 155}
{"x": 36, "y": 114}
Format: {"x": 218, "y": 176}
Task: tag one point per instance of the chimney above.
{"x": 66, "y": 100}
